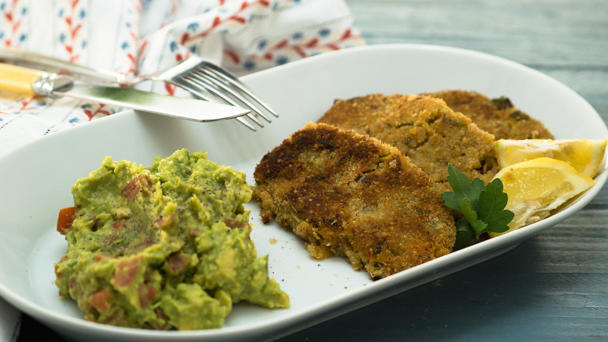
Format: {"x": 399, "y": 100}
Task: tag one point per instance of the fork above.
{"x": 194, "y": 74}
{"x": 198, "y": 76}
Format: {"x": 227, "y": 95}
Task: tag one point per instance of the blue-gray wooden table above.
{"x": 553, "y": 287}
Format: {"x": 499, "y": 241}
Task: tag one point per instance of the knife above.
{"x": 31, "y": 82}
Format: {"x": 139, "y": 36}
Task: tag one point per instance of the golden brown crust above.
{"x": 496, "y": 116}
{"x": 424, "y": 128}
{"x": 349, "y": 194}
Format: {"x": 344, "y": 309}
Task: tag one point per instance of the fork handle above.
{"x": 19, "y": 80}
{"x": 55, "y": 65}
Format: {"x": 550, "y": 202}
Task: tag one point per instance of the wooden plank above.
{"x": 549, "y": 32}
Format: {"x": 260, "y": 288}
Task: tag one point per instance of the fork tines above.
{"x": 223, "y": 85}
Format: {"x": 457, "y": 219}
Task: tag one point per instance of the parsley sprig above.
{"x": 481, "y": 206}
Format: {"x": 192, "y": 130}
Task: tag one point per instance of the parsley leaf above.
{"x": 470, "y": 214}
{"x": 464, "y": 234}
{"x": 492, "y": 201}
{"x": 463, "y": 188}
{"x": 481, "y": 207}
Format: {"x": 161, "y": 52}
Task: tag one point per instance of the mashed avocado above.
{"x": 163, "y": 247}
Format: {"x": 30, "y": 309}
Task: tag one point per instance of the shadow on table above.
{"x": 31, "y": 331}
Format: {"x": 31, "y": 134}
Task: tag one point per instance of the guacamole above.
{"x": 163, "y": 247}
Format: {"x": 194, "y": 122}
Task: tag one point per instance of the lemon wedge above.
{"x": 538, "y": 186}
{"x": 585, "y": 155}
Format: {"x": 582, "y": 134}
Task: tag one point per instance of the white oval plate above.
{"x": 37, "y": 178}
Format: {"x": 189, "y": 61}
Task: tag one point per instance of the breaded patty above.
{"x": 424, "y": 128}
{"x": 348, "y": 194}
{"x": 496, "y": 116}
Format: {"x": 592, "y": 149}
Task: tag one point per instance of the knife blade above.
{"x": 29, "y": 82}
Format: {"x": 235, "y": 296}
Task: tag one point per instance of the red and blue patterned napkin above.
{"x": 135, "y": 36}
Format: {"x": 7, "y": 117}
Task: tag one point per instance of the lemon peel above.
{"x": 538, "y": 186}
{"x": 585, "y": 155}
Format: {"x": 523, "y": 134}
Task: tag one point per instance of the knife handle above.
{"x": 17, "y": 79}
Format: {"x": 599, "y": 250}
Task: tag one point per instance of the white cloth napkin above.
{"x": 143, "y": 36}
